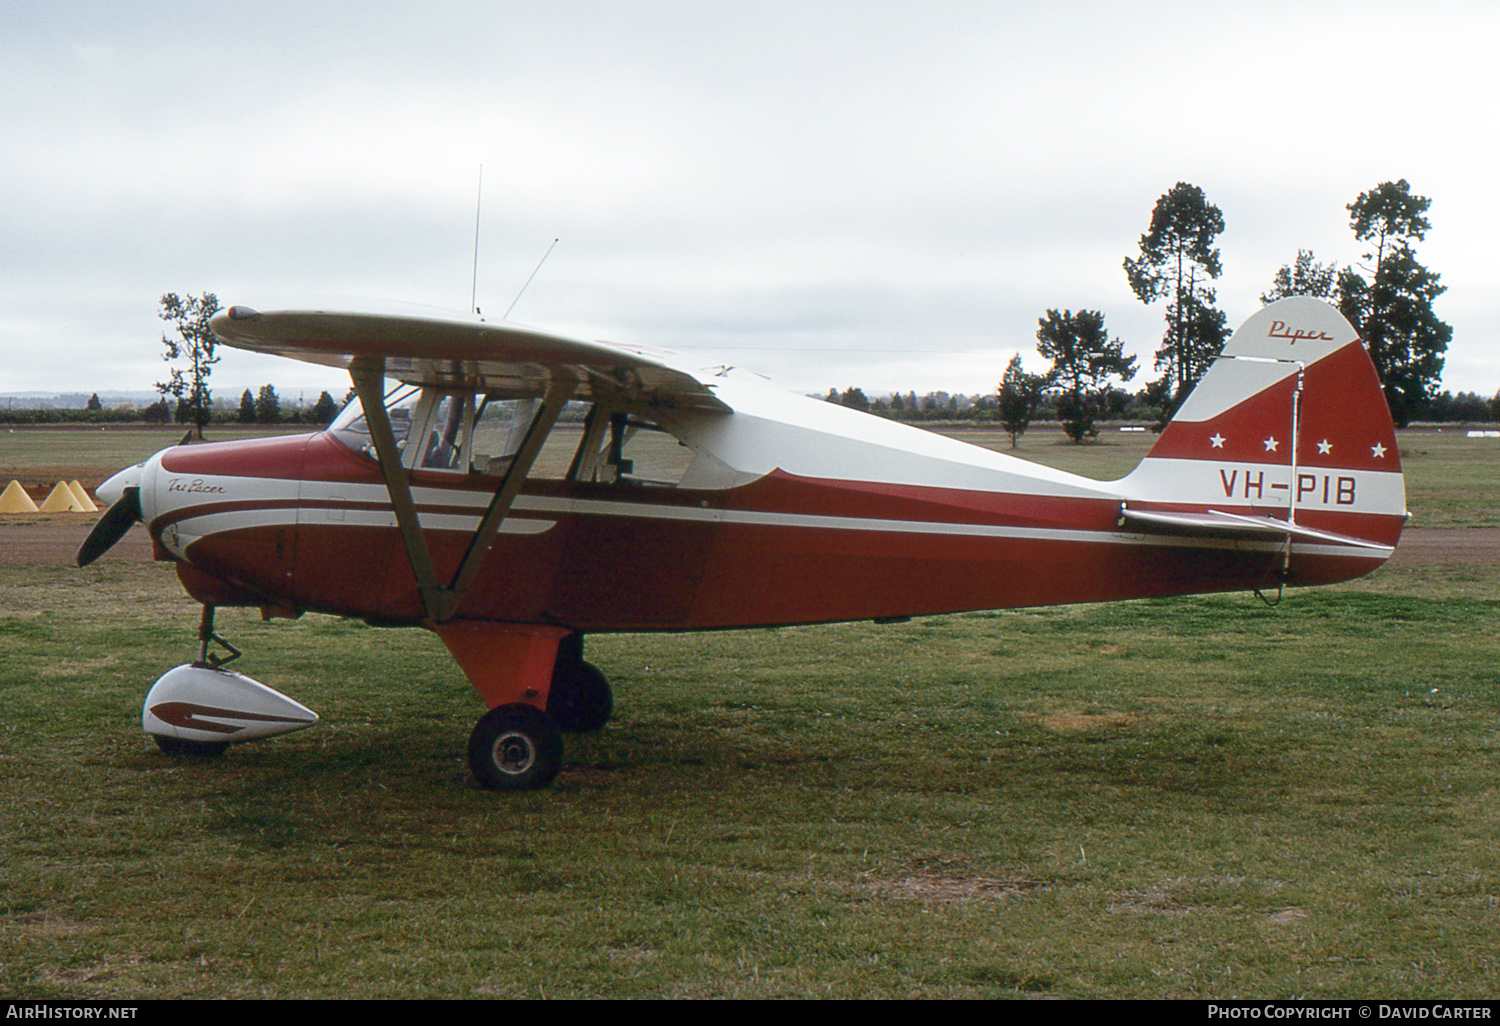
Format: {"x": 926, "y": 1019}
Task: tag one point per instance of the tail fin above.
{"x": 1287, "y": 434}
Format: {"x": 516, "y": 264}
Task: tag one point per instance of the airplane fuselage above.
{"x": 305, "y": 523}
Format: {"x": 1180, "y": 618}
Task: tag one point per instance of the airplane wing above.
{"x": 465, "y": 353}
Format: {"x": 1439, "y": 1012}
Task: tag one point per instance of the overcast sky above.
{"x": 886, "y": 195}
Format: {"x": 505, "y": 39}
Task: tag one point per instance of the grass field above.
{"x": 1202, "y": 797}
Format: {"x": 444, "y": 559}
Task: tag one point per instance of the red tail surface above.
{"x": 1289, "y": 431}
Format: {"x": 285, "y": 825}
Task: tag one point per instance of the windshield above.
{"x": 351, "y": 428}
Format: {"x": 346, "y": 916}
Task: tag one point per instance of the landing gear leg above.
{"x": 206, "y": 658}
{"x": 206, "y": 637}
{"x": 516, "y": 746}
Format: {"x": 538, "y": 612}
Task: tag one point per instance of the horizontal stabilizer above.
{"x": 1216, "y": 524}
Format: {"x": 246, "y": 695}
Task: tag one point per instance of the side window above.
{"x": 443, "y": 422}
{"x": 627, "y": 449}
{"x": 500, "y": 428}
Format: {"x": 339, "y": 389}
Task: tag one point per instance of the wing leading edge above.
{"x": 465, "y": 353}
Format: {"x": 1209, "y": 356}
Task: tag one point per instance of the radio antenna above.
{"x": 474, "y": 286}
{"x": 539, "y": 264}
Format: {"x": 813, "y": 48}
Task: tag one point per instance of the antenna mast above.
{"x": 474, "y": 286}
{"x": 539, "y": 264}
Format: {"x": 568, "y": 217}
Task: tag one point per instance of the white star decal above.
{"x": 1218, "y": 440}
{"x": 1325, "y": 447}
{"x": 1378, "y": 451}
{"x": 1271, "y": 445}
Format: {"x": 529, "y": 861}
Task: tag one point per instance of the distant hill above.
{"x": 74, "y": 400}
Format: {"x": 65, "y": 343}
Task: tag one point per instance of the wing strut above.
{"x": 441, "y": 603}
{"x": 559, "y": 390}
{"x": 368, "y": 375}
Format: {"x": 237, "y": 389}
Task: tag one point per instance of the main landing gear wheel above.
{"x": 580, "y": 700}
{"x": 515, "y": 748}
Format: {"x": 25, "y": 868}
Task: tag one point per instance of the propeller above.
{"x": 122, "y": 514}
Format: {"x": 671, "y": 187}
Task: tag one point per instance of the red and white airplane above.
{"x": 513, "y": 491}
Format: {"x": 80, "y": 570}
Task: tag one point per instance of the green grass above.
{"x": 1200, "y": 797}
{"x": 1197, "y": 797}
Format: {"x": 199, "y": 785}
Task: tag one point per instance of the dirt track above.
{"x": 55, "y": 539}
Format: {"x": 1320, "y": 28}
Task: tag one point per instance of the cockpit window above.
{"x": 351, "y": 428}
{"x": 468, "y": 434}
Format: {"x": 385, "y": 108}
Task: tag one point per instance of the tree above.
{"x": 247, "y": 407}
{"x": 1177, "y": 263}
{"x": 325, "y": 409}
{"x": 94, "y": 403}
{"x": 1392, "y": 310}
{"x": 855, "y": 399}
{"x": 1305, "y": 277}
{"x": 1019, "y": 395}
{"x": 267, "y": 405}
{"x": 1084, "y": 358}
{"x": 195, "y": 344}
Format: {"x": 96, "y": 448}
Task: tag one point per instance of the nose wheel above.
{"x": 515, "y": 748}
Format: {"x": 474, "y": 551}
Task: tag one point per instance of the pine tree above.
{"x": 325, "y": 409}
{"x": 1392, "y": 310}
{"x": 267, "y": 406}
{"x": 1178, "y": 260}
{"x": 1019, "y": 395}
{"x": 1084, "y": 358}
{"x": 1304, "y": 277}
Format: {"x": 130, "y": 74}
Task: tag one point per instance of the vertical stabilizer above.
{"x": 1289, "y": 425}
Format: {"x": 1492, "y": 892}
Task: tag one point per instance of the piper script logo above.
{"x": 1280, "y": 329}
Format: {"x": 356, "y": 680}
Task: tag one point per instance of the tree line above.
{"x": 264, "y": 408}
{"x": 1387, "y": 294}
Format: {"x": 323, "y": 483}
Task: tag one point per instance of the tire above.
{"x": 181, "y": 746}
{"x": 580, "y": 700}
{"x": 515, "y": 748}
